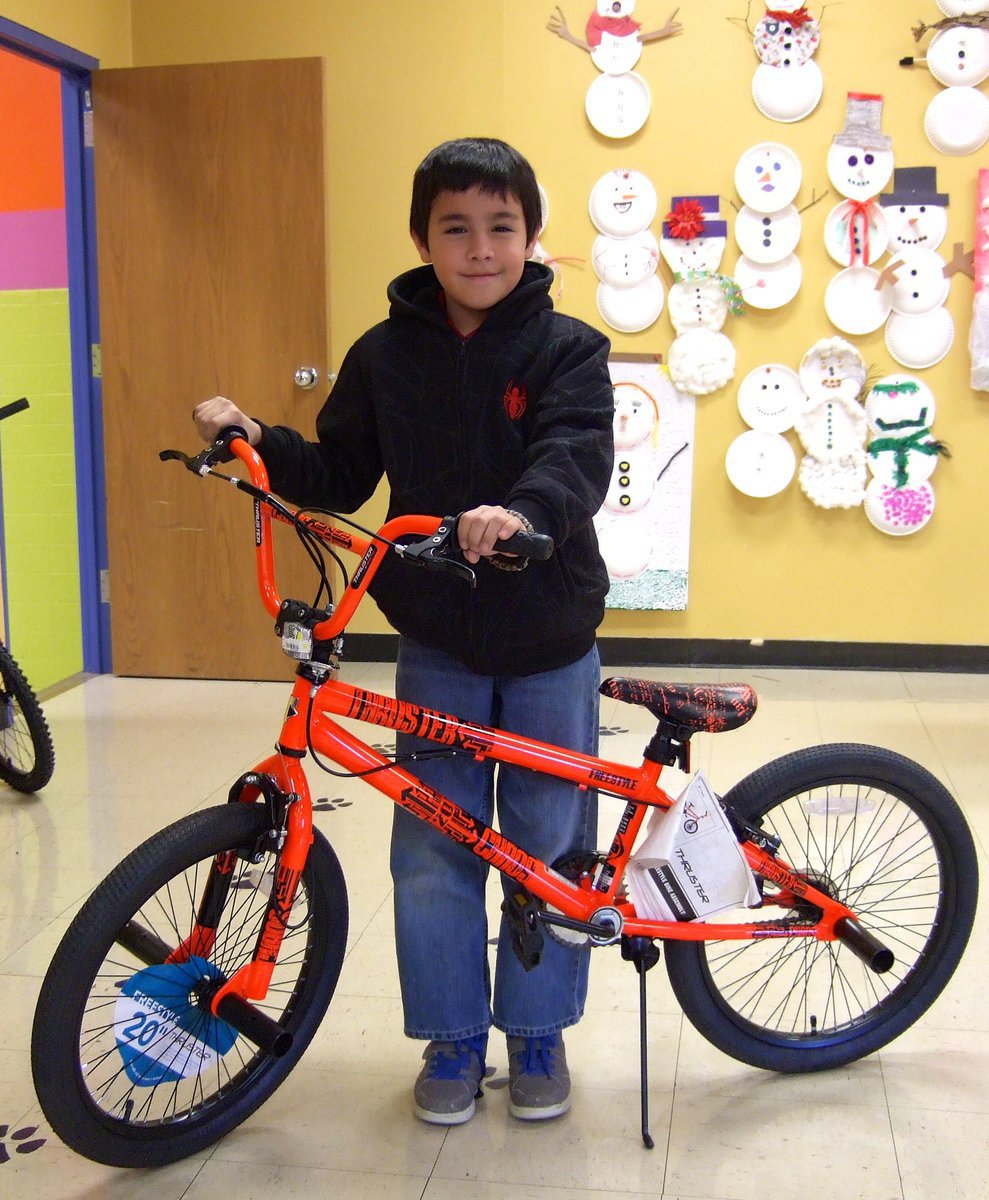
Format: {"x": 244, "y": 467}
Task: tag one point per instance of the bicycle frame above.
{"x": 595, "y": 901}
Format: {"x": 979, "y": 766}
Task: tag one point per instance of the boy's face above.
{"x": 477, "y": 245}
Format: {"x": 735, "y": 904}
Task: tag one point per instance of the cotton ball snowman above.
{"x": 701, "y": 359}
{"x": 625, "y": 254}
{"x": 618, "y": 101}
{"x": 831, "y": 425}
{"x": 623, "y": 528}
{"x": 956, "y": 120}
{"x": 787, "y": 85}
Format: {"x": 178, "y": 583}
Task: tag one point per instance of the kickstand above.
{"x": 644, "y": 954}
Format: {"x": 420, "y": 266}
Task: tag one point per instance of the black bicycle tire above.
{"x": 26, "y": 702}
{"x": 74, "y": 978}
{"x": 693, "y": 967}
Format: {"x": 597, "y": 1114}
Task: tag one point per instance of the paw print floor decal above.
{"x": 23, "y": 1141}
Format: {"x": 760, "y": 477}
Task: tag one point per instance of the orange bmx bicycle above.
{"x": 191, "y": 981}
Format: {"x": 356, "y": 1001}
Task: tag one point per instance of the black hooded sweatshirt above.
{"x": 517, "y": 414}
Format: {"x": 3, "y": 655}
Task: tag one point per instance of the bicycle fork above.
{"x": 290, "y": 833}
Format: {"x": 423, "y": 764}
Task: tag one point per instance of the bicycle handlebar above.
{"x": 15, "y": 406}
{"x": 437, "y": 536}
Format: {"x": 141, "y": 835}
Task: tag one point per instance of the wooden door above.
{"x": 210, "y": 230}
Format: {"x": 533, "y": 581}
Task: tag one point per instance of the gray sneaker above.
{"x": 538, "y": 1079}
{"x": 450, "y": 1082}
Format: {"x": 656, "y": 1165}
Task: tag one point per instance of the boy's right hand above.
{"x": 218, "y": 413}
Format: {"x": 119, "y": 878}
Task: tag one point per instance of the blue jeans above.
{"x": 440, "y": 919}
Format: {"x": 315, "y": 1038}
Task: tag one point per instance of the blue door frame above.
{"x": 76, "y": 70}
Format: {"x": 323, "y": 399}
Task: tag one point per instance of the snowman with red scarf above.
{"x": 618, "y": 102}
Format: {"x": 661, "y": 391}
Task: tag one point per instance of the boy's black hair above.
{"x": 487, "y": 163}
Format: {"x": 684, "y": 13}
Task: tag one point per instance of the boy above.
{"x": 475, "y": 397}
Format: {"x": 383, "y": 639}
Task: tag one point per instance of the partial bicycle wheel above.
{"x": 27, "y": 757}
{"x": 130, "y": 1066}
{"x": 879, "y": 833}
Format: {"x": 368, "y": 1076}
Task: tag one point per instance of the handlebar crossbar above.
{"x": 425, "y": 541}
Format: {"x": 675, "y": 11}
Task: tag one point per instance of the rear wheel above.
{"x": 27, "y": 758}
{"x": 877, "y": 832}
{"x": 130, "y": 1066}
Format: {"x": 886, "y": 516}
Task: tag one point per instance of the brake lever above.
{"x": 434, "y": 553}
{"x": 205, "y": 460}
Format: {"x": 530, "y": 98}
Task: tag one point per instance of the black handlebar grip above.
{"x": 538, "y": 546}
{"x": 15, "y": 406}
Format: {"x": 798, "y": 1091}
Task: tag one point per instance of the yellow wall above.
{"x": 401, "y": 76}
{"x": 100, "y": 28}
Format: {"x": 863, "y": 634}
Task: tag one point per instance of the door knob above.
{"x": 306, "y": 378}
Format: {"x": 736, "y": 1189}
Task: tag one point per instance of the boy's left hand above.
{"x": 481, "y": 529}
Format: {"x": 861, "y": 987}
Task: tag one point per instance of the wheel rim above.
{"x": 16, "y": 743}
{"x": 141, "y": 1075}
{"x": 880, "y": 858}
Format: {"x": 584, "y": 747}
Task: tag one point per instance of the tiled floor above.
{"x": 906, "y": 1124}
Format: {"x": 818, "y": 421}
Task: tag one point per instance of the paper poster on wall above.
{"x": 643, "y": 526}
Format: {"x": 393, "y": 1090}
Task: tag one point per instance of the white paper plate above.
{"x": 896, "y": 398}
{"x": 828, "y": 360}
{"x": 767, "y": 237}
{"x": 853, "y": 302}
{"x": 760, "y": 464}
{"x": 915, "y": 226}
{"x": 632, "y": 309}
{"x": 625, "y": 262}
{"x": 787, "y": 94}
{"x": 622, "y": 202}
{"x": 616, "y": 55}
{"x": 898, "y": 511}
{"x": 963, "y": 8}
{"x": 846, "y": 245}
{"x": 957, "y": 121}
{"x": 921, "y": 341}
{"x": 919, "y": 283}
{"x": 959, "y": 56}
{"x": 618, "y": 105}
{"x": 769, "y": 398}
{"x": 768, "y": 177}
{"x": 768, "y": 285}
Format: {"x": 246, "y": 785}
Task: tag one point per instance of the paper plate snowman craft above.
{"x": 831, "y": 425}
{"x": 767, "y": 227}
{"x": 956, "y": 120}
{"x": 761, "y": 462}
{"x": 618, "y": 101}
{"x": 860, "y": 163}
{"x": 903, "y": 453}
{"x": 920, "y": 330}
{"x": 787, "y": 84}
{"x": 625, "y": 530}
{"x": 701, "y": 359}
{"x": 625, "y": 254}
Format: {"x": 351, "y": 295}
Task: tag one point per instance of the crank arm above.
{"x": 605, "y": 933}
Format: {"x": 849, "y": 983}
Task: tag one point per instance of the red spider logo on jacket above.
{"x": 516, "y": 400}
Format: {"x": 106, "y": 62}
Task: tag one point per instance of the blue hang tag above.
{"x": 162, "y": 1032}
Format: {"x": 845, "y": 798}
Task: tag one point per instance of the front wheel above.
{"x": 879, "y": 833}
{"x": 27, "y": 758}
{"x": 130, "y": 1066}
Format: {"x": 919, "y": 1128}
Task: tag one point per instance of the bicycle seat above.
{"x": 706, "y": 707}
